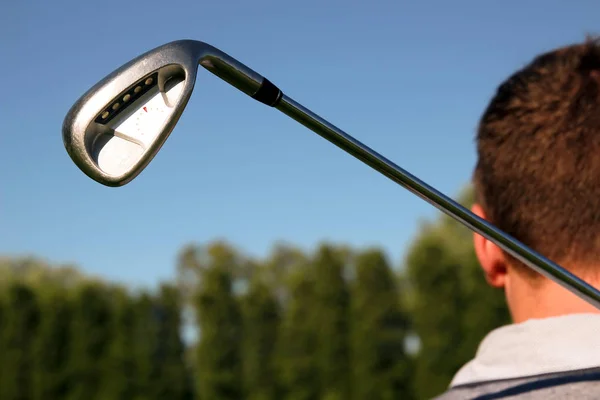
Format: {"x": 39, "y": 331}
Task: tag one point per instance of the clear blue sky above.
{"x": 409, "y": 79}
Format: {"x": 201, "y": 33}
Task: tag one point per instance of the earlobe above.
{"x": 489, "y": 255}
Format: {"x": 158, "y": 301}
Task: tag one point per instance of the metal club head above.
{"x": 116, "y": 128}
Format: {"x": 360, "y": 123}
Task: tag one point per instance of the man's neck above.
{"x": 544, "y": 301}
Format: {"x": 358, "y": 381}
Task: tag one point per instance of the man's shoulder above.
{"x": 580, "y": 384}
{"x": 551, "y": 358}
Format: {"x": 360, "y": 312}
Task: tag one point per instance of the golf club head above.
{"x": 116, "y": 128}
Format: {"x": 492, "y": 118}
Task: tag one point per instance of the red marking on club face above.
{"x": 145, "y": 109}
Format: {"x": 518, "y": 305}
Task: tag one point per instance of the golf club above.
{"x": 116, "y": 128}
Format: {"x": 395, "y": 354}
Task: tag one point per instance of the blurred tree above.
{"x": 90, "y": 334}
{"x": 380, "y": 367}
{"x": 331, "y": 322}
{"x": 438, "y": 302}
{"x": 218, "y": 357}
{"x": 171, "y": 378}
{"x": 93, "y": 338}
{"x": 282, "y": 261}
{"x": 20, "y": 325}
{"x": 52, "y": 345}
{"x": 119, "y": 368}
{"x": 296, "y": 348}
{"x": 146, "y": 309}
{"x": 261, "y": 319}
{"x": 36, "y": 272}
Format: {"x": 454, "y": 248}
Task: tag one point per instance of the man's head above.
{"x": 538, "y": 176}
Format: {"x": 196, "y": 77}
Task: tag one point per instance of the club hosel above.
{"x": 241, "y": 76}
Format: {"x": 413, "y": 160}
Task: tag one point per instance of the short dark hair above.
{"x": 538, "y": 142}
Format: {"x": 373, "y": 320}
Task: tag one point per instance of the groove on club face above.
{"x": 95, "y": 146}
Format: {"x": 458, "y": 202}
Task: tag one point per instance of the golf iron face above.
{"x": 116, "y": 128}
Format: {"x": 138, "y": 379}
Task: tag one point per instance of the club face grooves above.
{"x": 123, "y": 100}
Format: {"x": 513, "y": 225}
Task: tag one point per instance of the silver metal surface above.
{"x": 181, "y": 59}
{"x": 81, "y": 132}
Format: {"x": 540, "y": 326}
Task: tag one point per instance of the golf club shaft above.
{"x": 352, "y": 146}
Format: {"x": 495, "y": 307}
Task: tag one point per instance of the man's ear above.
{"x": 490, "y": 256}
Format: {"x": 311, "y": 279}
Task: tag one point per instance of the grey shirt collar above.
{"x": 535, "y": 347}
